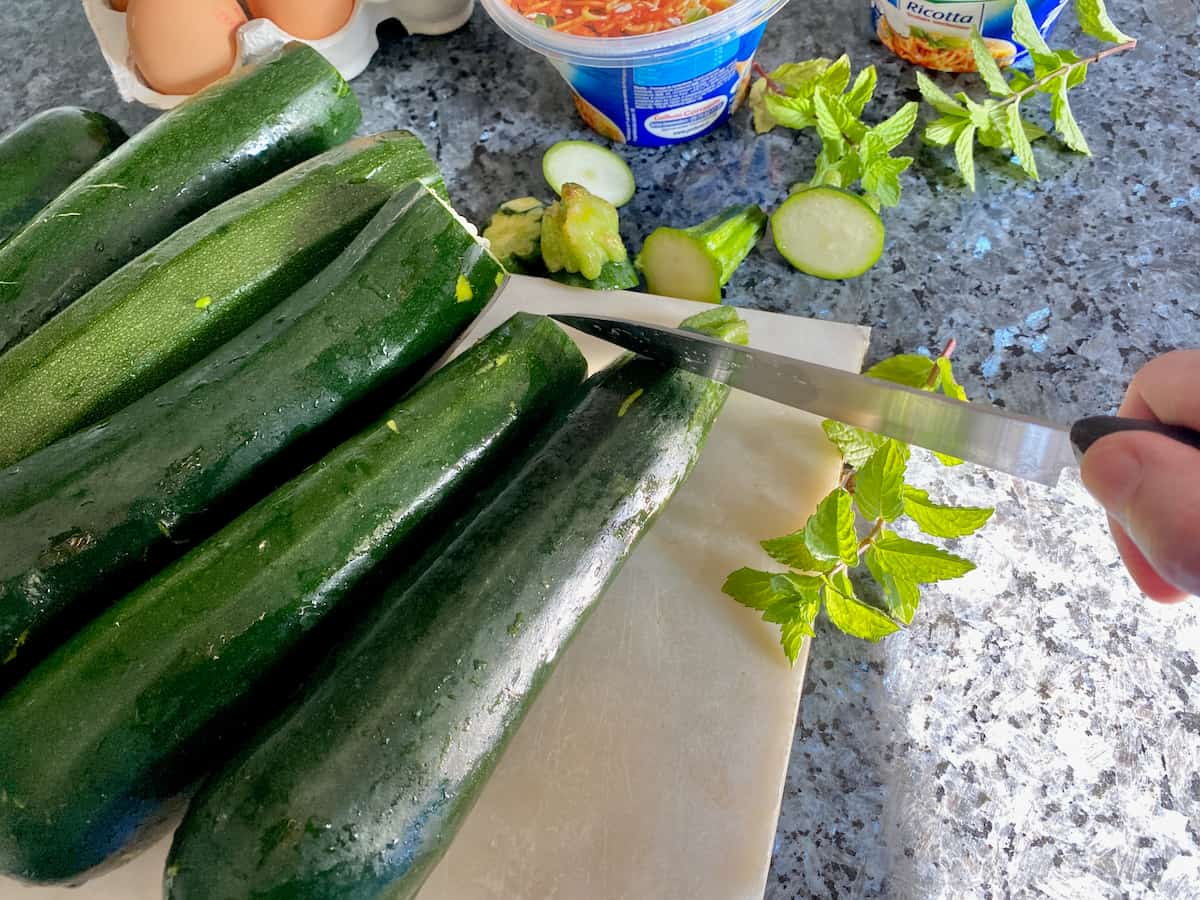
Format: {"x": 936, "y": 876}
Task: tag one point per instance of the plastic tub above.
{"x": 655, "y": 89}
{"x": 935, "y": 33}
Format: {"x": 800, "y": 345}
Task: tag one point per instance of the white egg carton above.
{"x": 349, "y": 49}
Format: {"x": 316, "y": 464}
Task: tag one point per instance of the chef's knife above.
{"x": 1019, "y": 445}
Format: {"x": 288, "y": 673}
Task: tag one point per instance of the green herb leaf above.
{"x": 796, "y": 77}
{"x": 901, "y": 596}
{"x": 899, "y": 125}
{"x": 835, "y": 78}
{"x": 987, "y": 66}
{"x": 882, "y": 178}
{"x": 1078, "y": 69}
{"x": 855, "y": 444}
{"x": 918, "y": 562}
{"x": 1026, "y": 33}
{"x": 945, "y": 131}
{"x": 792, "y": 550}
{"x": 833, "y": 144}
{"x": 879, "y": 484}
{"x": 544, "y": 20}
{"x": 829, "y": 532}
{"x": 947, "y": 382}
{"x": 937, "y": 98}
{"x": 862, "y": 91}
{"x": 790, "y": 112}
{"x": 964, "y": 155}
{"x": 1020, "y": 141}
{"x": 909, "y": 369}
{"x": 853, "y": 616}
{"x": 1064, "y": 120}
{"x": 943, "y": 521}
{"x": 872, "y": 149}
{"x": 792, "y": 634}
{"x": 756, "y": 589}
{"x": 1094, "y": 20}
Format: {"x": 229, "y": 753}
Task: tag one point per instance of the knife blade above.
{"x": 1024, "y": 446}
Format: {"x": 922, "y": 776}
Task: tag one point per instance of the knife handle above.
{"x": 1087, "y": 431}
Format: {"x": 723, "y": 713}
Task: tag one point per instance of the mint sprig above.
{"x": 998, "y": 121}
{"x": 852, "y": 533}
{"x": 818, "y": 94}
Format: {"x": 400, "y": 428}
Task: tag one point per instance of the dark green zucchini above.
{"x": 233, "y": 135}
{"x": 44, "y": 154}
{"x": 90, "y": 516}
{"x": 615, "y": 276}
{"x": 119, "y": 713}
{"x": 194, "y": 291}
{"x": 358, "y": 790}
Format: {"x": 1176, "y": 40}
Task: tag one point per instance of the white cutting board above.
{"x": 652, "y": 765}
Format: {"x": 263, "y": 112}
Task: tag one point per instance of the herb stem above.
{"x": 1018, "y": 96}
{"x": 935, "y": 372}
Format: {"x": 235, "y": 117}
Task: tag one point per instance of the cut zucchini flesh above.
{"x": 678, "y": 265}
{"x": 596, "y": 168}
{"x": 829, "y": 233}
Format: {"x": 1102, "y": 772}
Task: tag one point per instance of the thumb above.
{"x": 1150, "y": 486}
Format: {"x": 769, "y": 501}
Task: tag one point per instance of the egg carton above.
{"x": 349, "y": 49}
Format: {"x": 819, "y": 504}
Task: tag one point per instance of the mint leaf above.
{"x": 792, "y": 634}
{"x": 790, "y": 112}
{"x": 916, "y": 561}
{"x": 1064, "y": 120}
{"x": 832, "y": 142}
{"x": 862, "y": 91}
{"x": 1020, "y": 141}
{"x": 855, "y": 444}
{"x": 829, "y": 532}
{"x": 945, "y": 131}
{"x": 835, "y": 78}
{"x": 853, "y": 616}
{"x": 792, "y": 551}
{"x": 872, "y": 149}
{"x": 987, "y": 67}
{"x": 909, "y": 369}
{"x": 964, "y": 155}
{"x": 896, "y": 127}
{"x": 943, "y": 521}
{"x": 901, "y": 596}
{"x": 1026, "y": 33}
{"x": 1078, "y": 69}
{"x": 756, "y": 589}
{"x": 796, "y": 77}
{"x": 1094, "y": 20}
{"x": 879, "y": 485}
{"x": 937, "y": 98}
{"x": 950, "y": 387}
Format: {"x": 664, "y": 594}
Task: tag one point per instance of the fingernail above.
{"x": 1112, "y": 474}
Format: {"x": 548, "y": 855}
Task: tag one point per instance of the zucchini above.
{"x": 231, "y": 136}
{"x": 44, "y": 154}
{"x": 695, "y": 263}
{"x": 128, "y": 712}
{"x": 828, "y": 232}
{"x": 597, "y": 168}
{"x": 90, "y": 516}
{"x": 356, "y": 792}
{"x": 195, "y": 290}
{"x": 614, "y": 276}
{"x": 515, "y": 234}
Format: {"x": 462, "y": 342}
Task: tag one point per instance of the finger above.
{"x": 1165, "y": 390}
{"x": 1148, "y": 483}
{"x": 1144, "y": 576}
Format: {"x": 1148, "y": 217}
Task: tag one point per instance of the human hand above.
{"x": 1150, "y": 484}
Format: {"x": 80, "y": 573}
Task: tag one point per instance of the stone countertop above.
{"x": 1037, "y": 732}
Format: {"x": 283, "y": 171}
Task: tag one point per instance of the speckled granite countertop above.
{"x": 1037, "y": 732}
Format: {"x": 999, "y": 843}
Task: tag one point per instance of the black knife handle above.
{"x": 1087, "y": 431}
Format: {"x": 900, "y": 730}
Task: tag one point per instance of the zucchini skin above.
{"x": 126, "y": 713}
{"x": 357, "y": 791}
{"x": 44, "y": 154}
{"x": 231, "y": 136}
{"x": 90, "y": 516}
{"x": 197, "y": 289}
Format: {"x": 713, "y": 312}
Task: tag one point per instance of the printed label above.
{"x": 670, "y": 102}
{"x": 936, "y": 34}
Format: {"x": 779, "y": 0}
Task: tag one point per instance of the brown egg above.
{"x": 181, "y": 46}
{"x": 308, "y": 19}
